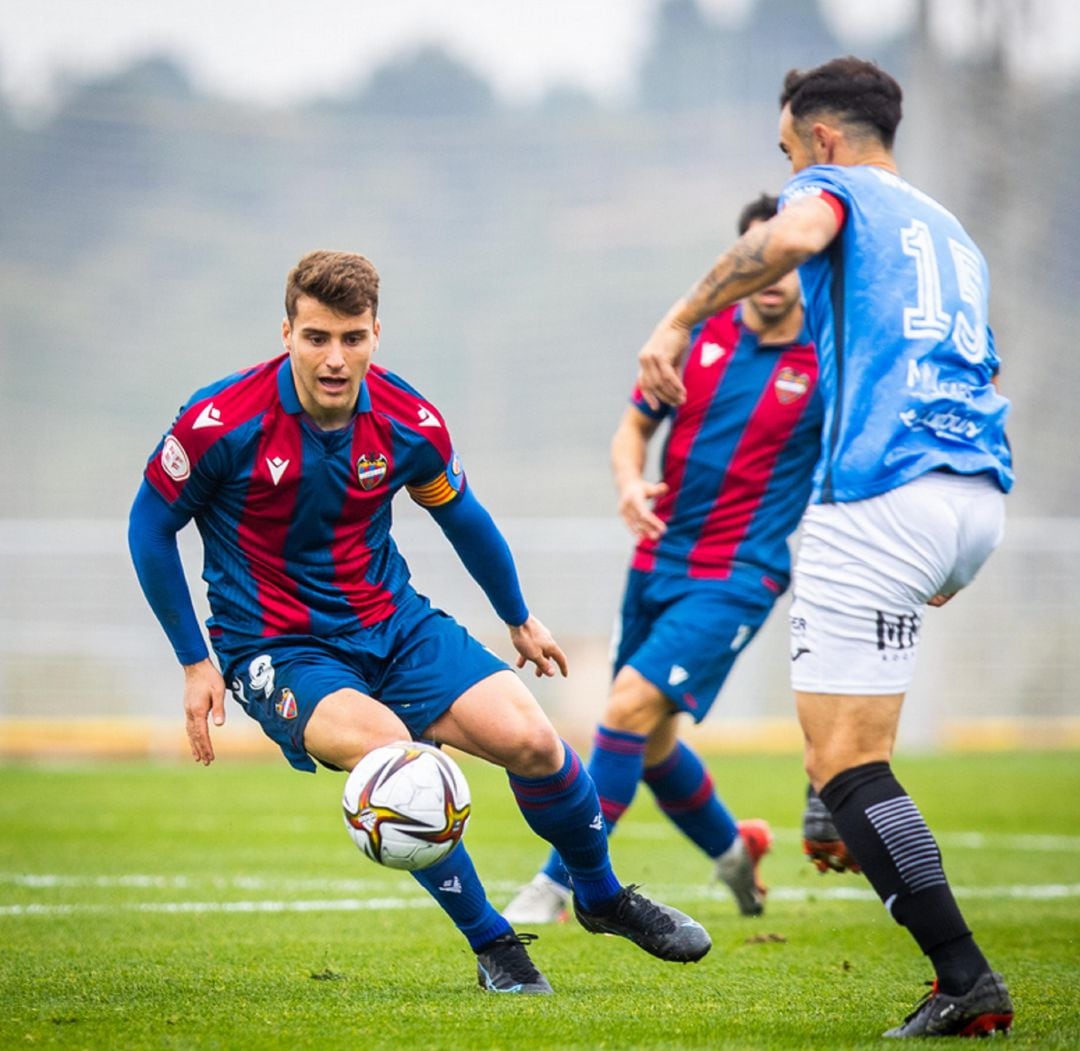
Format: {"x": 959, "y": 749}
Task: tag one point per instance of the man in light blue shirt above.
{"x": 908, "y": 497}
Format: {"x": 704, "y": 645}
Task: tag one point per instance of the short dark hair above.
{"x": 761, "y": 209}
{"x": 852, "y": 88}
{"x": 345, "y": 282}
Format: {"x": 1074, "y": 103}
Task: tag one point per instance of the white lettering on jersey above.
{"x": 208, "y": 417}
{"x": 677, "y": 675}
{"x": 277, "y": 467}
{"x": 741, "y": 635}
{"x": 174, "y": 459}
{"x": 427, "y": 418}
{"x": 711, "y": 353}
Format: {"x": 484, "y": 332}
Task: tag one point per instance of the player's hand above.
{"x": 635, "y": 507}
{"x": 536, "y": 645}
{"x": 830, "y": 856}
{"x": 940, "y": 600}
{"x": 659, "y": 362}
{"x": 204, "y": 700}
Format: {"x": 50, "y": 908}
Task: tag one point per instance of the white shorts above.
{"x": 866, "y": 569}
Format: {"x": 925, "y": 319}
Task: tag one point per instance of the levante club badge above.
{"x": 370, "y": 469}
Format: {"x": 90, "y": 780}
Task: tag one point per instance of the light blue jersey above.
{"x": 897, "y": 306}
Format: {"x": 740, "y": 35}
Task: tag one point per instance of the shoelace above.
{"x": 518, "y": 965}
{"x": 649, "y": 911}
{"x": 924, "y": 999}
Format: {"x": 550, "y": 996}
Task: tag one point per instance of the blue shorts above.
{"x": 417, "y": 662}
{"x": 683, "y": 634}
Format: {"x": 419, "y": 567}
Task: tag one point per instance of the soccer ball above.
{"x": 406, "y": 805}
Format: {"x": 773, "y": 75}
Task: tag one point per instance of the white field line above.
{"x": 394, "y": 893}
{"x": 1047, "y": 892}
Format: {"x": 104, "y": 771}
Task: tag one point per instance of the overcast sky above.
{"x": 282, "y": 50}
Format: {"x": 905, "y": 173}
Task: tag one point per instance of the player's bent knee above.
{"x": 635, "y": 705}
{"x": 538, "y": 751}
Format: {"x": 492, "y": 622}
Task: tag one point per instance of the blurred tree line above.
{"x": 146, "y": 229}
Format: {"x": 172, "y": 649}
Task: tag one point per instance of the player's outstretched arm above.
{"x": 152, "y": 530}
{"x": 484, "y": 552}
{"x": 763, "y": 254}
{"x": 536, "y": 646}
{"x": 204, "y": 699}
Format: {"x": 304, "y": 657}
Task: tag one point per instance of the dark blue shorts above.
{"x": 684, "y": 634}
{"x": 417, "y": 662}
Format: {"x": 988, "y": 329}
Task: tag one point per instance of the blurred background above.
{"x": 536, "y": 182}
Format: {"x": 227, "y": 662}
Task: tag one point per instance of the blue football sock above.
{"x": 684, "y": 789}
{"x": 564, "y": 809}
{"x": 615, "y": 765}
{"x": 454, "y": 884}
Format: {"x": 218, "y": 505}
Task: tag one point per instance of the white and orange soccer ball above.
{"x": 406, "y": 805}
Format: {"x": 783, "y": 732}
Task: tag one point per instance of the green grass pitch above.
{"x": 171, "y": 906}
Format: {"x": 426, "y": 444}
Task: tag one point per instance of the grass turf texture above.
{"x": 165, "y": 906}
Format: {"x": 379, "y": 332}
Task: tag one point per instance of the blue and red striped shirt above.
{"x": 295, "y": 520}
{"x": 739, "y": 455}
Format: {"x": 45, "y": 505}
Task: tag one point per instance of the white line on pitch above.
{"x": 1045, "y": 892}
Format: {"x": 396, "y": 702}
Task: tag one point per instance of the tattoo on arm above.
{"x": 740, "y": 270}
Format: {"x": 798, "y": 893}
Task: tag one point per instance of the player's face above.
{"x": 798, "y": 151}
{"x": 330, "y": 355}
{"x": 775, "y": 303}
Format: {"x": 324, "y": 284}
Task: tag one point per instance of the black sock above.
{"x": 887, "y": 835}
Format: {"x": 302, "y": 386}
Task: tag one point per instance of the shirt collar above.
{"x": 290, "y": 400}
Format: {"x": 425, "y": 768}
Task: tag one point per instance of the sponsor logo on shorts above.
{"x": 261, "y": 675}
{"x": 677, "y": 675}
{"x": 286, "y": 705}
{"x": 174, "y": 460}
{"x": 370, "y": 470}
{"x": 798, "y": 630}
{"x": 897, "y": 634}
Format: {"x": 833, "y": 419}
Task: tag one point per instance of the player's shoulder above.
{"x": 221, "y": 407}
{"x": 839, "y": 180}
{"x": 404, "y": 406}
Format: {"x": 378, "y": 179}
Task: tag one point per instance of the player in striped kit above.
{"x": 909, "y": 493}
{"x": 288, "y": 470}
{"x": 711, "y": 560}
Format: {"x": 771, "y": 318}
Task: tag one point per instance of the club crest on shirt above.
{"x": 370, "y": 470}
{"x": 790, "y": 385}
